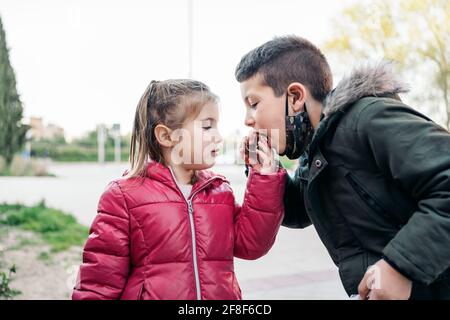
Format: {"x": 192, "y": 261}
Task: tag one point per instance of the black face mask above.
{"x": 299, "y": 133}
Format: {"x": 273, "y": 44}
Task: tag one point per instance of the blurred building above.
{"x": 40, "y": 131}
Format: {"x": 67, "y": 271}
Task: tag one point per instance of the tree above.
{"x": 415, "y": 33}
{"x": 12, "y": 131}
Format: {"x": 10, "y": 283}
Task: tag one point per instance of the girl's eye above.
{"x": 207, "y": 128}
{"x": 253, "y": 106}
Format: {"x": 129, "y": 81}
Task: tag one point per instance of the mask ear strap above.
{"x": 287, "y": 105}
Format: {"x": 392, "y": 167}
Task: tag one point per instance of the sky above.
{"x": 81, "y": 63}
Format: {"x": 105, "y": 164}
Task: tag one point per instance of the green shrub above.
{"x": 59, "y": 229}
{"x": 79, "y": 150}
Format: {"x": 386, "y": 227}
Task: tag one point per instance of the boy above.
{"x": 374, "y": 174}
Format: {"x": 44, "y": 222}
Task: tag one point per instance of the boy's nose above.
{"x": 249, "y": 121}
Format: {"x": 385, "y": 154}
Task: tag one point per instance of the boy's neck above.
{"x": 315, "y": 109}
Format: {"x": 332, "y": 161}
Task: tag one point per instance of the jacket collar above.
{"x": 378, "y": 80}
{"x": 161, "y": 173}
{"x": 368, "y": 80}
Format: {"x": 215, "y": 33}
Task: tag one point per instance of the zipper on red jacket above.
{"x": 194, "y": 251}
{"x": 192, "y": 225}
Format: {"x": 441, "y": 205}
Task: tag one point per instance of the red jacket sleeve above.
{"x": 258, "y": 219}
{"x": 104, "y": 271}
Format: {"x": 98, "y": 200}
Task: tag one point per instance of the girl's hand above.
{"x": 262, "y": 158}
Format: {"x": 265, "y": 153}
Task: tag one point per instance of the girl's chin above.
{"x": 201, "y": 166}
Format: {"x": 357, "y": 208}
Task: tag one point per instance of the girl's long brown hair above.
{"x": 168, "y": 102}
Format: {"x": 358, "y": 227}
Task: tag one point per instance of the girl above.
{"x": 169, "y": 228}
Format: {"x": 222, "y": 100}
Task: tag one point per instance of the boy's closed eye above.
{"x": 253, "y": 106}
{"x": 252, "y": 103}
{"x": 207, "y": 124}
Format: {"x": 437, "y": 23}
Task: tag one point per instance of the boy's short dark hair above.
{"x": 288, "y": 59}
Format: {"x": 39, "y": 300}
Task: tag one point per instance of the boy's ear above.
{"x": 162, "y": 134}
{"x": 297, "y": 96}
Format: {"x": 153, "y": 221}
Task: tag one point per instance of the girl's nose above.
{"x": 218, "y": 138}
{"x": 215, "y": 136}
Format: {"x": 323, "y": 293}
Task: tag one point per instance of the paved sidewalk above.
{"x": 297, "y": 267}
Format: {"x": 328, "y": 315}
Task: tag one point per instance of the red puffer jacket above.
{"x": 148, "y": 242}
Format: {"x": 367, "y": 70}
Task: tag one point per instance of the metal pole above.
{"x": 116, "y": 135}
{"x": 101, "y": 137}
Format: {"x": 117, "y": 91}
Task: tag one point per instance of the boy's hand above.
{"x": 383, "y": 282}
{"x": 265, "y": 161}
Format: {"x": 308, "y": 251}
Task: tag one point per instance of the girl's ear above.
{"x": 297, "y": 91}
{"x": 162, "y": 134}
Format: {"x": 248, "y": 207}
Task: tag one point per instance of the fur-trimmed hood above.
{"x": 367, "y": 80}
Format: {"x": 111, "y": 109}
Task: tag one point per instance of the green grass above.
{"x": 57, "y": 228}
{"x": 9, "y": 173}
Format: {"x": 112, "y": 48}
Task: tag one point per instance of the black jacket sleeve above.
{"x": 295, "y": 215}
{"x": 414, "y": 152}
